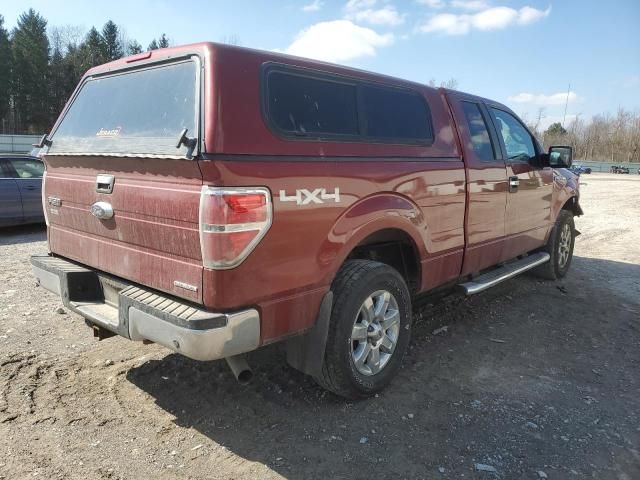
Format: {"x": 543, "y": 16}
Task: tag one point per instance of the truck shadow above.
{"x": 36, "y": 232}
{"x": 436, "y": 413}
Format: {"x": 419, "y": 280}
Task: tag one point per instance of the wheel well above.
{"x": 394, "y": 248}
{"x": 573, "y": 206}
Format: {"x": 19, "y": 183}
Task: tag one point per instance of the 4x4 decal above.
{"x": 305, "y": 197}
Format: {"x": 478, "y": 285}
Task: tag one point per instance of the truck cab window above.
{"x": 516, "y": 138}
{"x": 480, "y": 140}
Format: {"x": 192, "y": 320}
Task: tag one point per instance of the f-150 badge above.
{"x": 305, "y": 197}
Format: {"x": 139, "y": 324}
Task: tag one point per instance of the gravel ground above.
{"x": 529, "y": 380}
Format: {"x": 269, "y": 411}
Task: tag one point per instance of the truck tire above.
{"x": 560, "y": 248}
{"x": 369, "y": 329}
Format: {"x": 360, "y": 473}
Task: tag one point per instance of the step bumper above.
{"x": 140, "y": 314}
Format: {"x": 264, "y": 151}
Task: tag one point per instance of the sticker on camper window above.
{"x": 104, "y": 132}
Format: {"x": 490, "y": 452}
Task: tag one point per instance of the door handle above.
{"x": 30, "y": 187}
{"x": 514, "y": 183}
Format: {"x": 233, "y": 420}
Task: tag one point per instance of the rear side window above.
{"x": 302, "y": 103}
{"x": 395, "y": 114}
{"x": 141, "y": 111}
{"x": 480, "y": 140}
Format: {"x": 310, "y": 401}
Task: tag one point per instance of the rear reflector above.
{"x": 232, "y": 223}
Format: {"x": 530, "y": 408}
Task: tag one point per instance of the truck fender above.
{"x": 372, "y": 214}
{"x": 382, "y": 211}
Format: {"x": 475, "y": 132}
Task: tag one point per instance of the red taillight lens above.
{"x": 232, "y": 222}
{"x": 231, "y": 209}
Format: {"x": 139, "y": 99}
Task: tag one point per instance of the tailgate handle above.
{"x": 104, "y": 183}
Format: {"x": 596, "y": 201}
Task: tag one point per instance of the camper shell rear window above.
{"x": 141, "y": 111}
{"x": 307, "y": 104}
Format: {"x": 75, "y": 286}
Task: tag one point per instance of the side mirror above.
{"x": 560, "y": 156}
{"x": 43, "y": 142}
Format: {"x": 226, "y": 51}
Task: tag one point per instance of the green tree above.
{"x": 163, "y": 42}
{"x": 134, "y": 47}
{"x": 5, "y": 71}
{"x": 112, "y": 45}
{"x": 30, "y": 48}
{"x": 153, "y": 45}
{"x": 93, "y": 51}
{"x": 555, "y": 130}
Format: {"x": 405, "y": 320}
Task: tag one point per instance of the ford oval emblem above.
{"x": 102, "y": 210}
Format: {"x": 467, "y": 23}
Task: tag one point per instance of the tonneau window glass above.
{"x": 395, "y": 114}
{"x": 139, "y": 112}
{"x": 302, "y": 103}
{"x": 480, "y": 140}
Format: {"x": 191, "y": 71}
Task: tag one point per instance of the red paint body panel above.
{"x": 454, "y": 209}
{"x": 295, "y": 263}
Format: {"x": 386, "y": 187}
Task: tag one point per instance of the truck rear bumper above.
{"x": 140, "y": 314}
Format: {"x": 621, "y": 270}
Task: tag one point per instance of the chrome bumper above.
{"x": 140, "y": 314}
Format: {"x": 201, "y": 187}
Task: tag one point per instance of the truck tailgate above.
{"x": 152, "y": 238}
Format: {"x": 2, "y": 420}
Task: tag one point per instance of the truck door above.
{"x": 528, "y": 214}
{"x": 486, "y": 183}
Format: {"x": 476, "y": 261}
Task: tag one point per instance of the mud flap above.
{"x": 306, "y": 352}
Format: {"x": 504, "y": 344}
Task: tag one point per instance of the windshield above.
{"x": 137, "y": 112}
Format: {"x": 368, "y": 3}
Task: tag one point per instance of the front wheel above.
{"x": 369, "y": 329}
{"x": 560, "y": 248}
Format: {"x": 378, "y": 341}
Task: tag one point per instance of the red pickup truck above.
{"x": 214, "y": 199}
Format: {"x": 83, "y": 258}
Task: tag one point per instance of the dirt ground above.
{"x": 533, "y": 379}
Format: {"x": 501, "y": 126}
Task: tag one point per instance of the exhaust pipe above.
{"x": 240, "y": 368}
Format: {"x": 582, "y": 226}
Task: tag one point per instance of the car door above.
{"x": 28, "y": 176}
{"x": 486, "y": 183}
{"x": 528, "y": 213}
{"x": 10, "y": 201}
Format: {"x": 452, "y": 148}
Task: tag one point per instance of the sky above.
{"x": 521, "y": 53}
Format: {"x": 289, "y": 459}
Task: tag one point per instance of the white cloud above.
{"x": 314, "y": 6}
{"x": 495, "y": 18}
{"x": 529, "y": 15}
{"x": 338, "y": 41}
{"x": 367, "y": 11}
{"x": 545, "y": 100}
{"x": 471, "y": 5}
{"x": 433, "y": 3}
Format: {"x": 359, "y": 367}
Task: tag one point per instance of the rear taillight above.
{"x": 232, "y": 222}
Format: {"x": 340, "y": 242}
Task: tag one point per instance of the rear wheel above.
{"x": 560, "y": 248}
{"x": 369, "y": 329}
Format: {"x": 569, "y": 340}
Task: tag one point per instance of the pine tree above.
{"x": 134, "y": 47}
{"x": 163, "y": 42}
{"x": 30, "y": 48}
{"x": 113, "y": 47}
{"x": 555, "y": 129}
{"x": 153, "y": 45}
{"x": 5, "y": 72}
{"x": 93, "y": 50}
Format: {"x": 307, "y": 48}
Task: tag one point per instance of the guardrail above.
{"x": 17, "y": 143}
{"x": 606, "y": 166}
